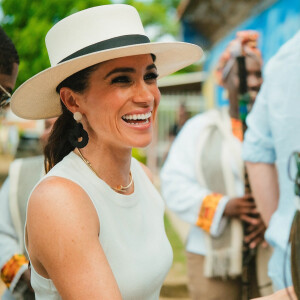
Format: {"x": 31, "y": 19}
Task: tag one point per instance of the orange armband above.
{"x": 11, "y": 268}
{"x": 207, "y": 211}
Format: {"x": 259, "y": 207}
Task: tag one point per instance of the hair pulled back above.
{"x": 58, "y": 145}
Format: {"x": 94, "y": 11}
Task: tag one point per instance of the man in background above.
{"x": 9, "y": 66}
{"x": 272, "y": 135}
{"x": 24, "y": 173}
{"x": 203, "y": 183}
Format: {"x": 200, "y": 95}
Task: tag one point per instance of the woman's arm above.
{"x": 265, "y": 188}
{"x": 63, "y": 243}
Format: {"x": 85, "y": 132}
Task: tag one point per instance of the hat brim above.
{"x": 37, "y": 98}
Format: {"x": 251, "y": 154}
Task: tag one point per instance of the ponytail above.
{"x": 58, "y": 145}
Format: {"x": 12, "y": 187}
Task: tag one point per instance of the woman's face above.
{"x": 120, "y": 104}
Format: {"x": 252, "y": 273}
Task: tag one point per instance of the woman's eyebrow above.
{"x": 127, "y": 70}
{"x": 119, "y": 70}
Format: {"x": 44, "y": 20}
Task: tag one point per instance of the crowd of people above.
{"x": 84, "y": 220}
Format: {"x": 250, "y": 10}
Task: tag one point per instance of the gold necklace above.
{"x": 120, "y": 188}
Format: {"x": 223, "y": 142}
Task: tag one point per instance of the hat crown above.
{"x": 116, "y": 20}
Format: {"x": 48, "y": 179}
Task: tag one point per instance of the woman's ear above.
{"x": 69, "y": 98}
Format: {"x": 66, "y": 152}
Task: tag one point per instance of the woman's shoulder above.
{"x": 54, "y": 193}
{"x": 55, "y": 185}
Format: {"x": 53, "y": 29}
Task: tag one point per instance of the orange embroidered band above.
{"x": 11, "y": 268}
{"x": 207, "y": 211}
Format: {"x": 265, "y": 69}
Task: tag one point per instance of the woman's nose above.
{"x": 143, "y": 93}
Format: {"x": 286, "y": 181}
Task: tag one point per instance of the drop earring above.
{"x": 78, "y": 137}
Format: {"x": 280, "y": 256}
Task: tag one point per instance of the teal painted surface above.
{"x": 276, "y": 24}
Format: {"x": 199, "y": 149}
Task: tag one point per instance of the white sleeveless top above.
{"x": 132, "y": 232}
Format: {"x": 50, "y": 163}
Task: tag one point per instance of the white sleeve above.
{"x": 179, "y": 185}
{"x": 9, "y": 243}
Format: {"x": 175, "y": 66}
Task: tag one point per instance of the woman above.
{"x": 104, "y": 71}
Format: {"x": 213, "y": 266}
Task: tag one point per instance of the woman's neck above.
{"x": 110, "y": 164}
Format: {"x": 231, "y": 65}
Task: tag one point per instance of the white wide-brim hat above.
{"x": 89, "y": 37}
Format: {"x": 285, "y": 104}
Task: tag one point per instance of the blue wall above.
{"x": 276, "y": 25}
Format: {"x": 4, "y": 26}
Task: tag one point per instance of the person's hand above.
{"x": 255, "y": 233}
{"x": 242, "y": 208}
{"x": 281, "y": 295}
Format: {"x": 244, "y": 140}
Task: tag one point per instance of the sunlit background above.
{"x": 208, "y": 23}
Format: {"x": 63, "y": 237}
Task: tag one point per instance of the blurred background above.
{"x": 209, "y": 23}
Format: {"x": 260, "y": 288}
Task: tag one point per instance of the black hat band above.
{"x": 119, "y": 41}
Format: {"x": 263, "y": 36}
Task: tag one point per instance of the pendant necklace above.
{"x": 120, "y": 188}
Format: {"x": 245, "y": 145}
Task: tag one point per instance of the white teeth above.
{"x": 137, "y": 116}
{"x": 145, "y": 122}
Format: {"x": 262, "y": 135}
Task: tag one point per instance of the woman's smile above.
{"x": 138, "y": 120}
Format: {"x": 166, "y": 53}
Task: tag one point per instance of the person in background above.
{"x": 9, "y": 66}
{"x": 271, "y": 138}
{"x": 202, "y": 181}
{"x": 94, "y": 227}
{"x": 24, "y": 173}
{"x": 181, "y": 117}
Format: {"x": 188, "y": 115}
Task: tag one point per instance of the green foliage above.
{"x": 159, "y": 14}
{"x": 176, "y": 243}
{"x": 140, "y": 155}
{"x": 28, "y": 21}
{"x": 190, "y": 68}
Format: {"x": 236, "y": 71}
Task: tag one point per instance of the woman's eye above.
{"x": 151, "y": 76}
{"x": 121, "y": 79}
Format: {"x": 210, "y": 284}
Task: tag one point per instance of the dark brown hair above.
{"x": 58, "y": 145}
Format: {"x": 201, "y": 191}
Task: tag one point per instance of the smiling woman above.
{"x": 103, "y": 217}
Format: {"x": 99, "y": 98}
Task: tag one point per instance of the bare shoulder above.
{"x": 148, "y": 172}
{"x": 63, "y": 241}
{"x": 58, "y": 194}
{"x": 58, "y": 206}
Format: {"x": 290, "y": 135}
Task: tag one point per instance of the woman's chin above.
{"x": 142, "y": 143}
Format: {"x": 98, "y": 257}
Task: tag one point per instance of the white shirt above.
{"x": 182, "y": 191}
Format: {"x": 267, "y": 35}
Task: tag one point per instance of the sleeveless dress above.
{"x": 132, "y": 232}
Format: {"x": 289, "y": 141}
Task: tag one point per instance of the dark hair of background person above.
{"x": 58, "y": 145}
{"x": 8, "y": 54}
